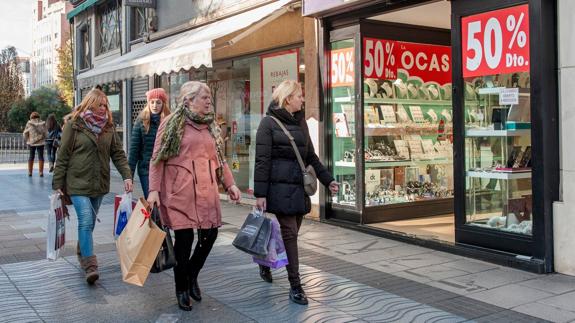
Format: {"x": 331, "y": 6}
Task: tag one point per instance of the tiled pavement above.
{"x": 349, "y": 276}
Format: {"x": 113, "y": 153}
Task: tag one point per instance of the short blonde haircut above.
{"x": 91, "y": 102}
{"x": 284, "y": 90}
{"x": 190, "y": 89}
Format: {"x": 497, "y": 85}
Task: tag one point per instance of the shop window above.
{"x": 84, "y": 54}
{"x": 342, "y": 93}
{"x": 138, "y": 25}
{"x": 114, "y": 93}
{"x": 109, "y": 22}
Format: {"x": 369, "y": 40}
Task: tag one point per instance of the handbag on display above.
{"x": 166, "y": 257}
{"x": 254, "y": 236}
{"x": 309, "y": 176}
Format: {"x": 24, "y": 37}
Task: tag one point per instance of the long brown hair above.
{"x": 91, "y": 102}
{"x": 146, "y": 112}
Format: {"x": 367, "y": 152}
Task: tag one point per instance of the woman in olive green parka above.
{"x": 89, "y": 141}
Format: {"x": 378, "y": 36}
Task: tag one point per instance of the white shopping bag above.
{"x": 122, "y": 214}
{"x": 56, "y": 231}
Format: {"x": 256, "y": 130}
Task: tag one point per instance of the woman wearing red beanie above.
{"x": 144, "y": 134}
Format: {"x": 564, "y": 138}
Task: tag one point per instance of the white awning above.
{"x": 190, "y": 49}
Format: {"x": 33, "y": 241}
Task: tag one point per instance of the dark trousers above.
{"x": 187, "y": 269}
{"x": 51, "y": 150}
{"x": 290, "y": 225}
{"x": 33, "y": 150}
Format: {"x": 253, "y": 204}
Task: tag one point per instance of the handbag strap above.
{"x": 292, "y": 141}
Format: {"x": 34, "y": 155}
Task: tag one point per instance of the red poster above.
{"x": 382, "y": 58}
{"x": 496, "y": 42}
{"x": 342, "y": 63}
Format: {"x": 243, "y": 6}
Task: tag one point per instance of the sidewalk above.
{"x": 349, "y": 276}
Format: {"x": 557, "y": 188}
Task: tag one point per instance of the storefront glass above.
{"x": 497, "y": 122}
{"x": 408, "y": 148}
{"x": 342, "y": 93}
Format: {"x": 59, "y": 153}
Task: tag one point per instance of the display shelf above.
{"x": 343, "y": 99}
{"x": 498, "y": 175}
{"x": 390, "y": 131}
{"x": 497, "y": 133}
{"x": 490, "y": 90}
{"x": 376, "y": 164}
{"x": 413, "y": 101}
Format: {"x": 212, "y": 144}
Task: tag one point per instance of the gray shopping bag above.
{"x": 254, "y": 235}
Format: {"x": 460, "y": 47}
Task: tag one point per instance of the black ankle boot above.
{"x": 195, "y": 292}
{"x": 297, "y": 295}
{"x": 184, "y": 301}
{"x": 266, "y": 274}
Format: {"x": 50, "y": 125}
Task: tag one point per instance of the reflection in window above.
{"x": 138, "y": 23}
{"x": 109, "y": 27}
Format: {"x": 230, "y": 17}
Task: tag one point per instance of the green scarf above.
{"x": 174, "y": 131}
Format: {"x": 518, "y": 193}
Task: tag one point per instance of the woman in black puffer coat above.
{"x": 278, "y": 178}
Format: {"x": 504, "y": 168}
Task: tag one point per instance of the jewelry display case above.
{"x": 498, "y": 153}
{"x": 391, "y": 140}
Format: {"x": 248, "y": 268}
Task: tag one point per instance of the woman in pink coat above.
{"x": 188, "y": 164}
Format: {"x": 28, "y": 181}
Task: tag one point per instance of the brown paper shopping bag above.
{"x": 138, "y": 245}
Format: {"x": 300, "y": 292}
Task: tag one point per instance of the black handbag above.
{"x": 254, "y": 236}
{"x": 166, "y": 257}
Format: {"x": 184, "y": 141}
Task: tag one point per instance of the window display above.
{"x": 343, "y": 121}
{"x": 498, "y": 152}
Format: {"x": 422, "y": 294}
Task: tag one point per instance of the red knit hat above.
{"x": 157, "y": 93}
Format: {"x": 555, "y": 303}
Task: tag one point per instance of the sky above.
{"x": 16, "y": 17}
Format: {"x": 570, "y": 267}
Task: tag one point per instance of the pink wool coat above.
{"x": 187, "y": 183}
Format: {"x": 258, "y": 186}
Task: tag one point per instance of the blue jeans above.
{"x": 86, "y": 210}
{"x": 145, "y": 181}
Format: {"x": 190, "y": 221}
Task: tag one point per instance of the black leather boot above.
{"x": 297, "y": 295}
{"x": 266, "y": 274}
{"x": 195, "y": 292}
{"x": 184, "y": 301}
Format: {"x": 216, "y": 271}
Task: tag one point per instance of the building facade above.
{"x": 50, "y": 32}
{"x": 26, "y": 76}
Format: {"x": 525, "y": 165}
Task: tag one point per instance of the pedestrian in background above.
{"x": 188, "y": 164}
{"x": 278, "y": 178}
{"x": 144, "y": 134}
{"x": 89, "y": 141}
{"x": 35, "y": 137}
{"x": 53, "y": 139}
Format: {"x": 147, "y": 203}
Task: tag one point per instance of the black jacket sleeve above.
{"x": 263, "y": 158}
{"x": 312, "y": 159}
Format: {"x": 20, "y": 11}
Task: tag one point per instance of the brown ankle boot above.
{"x": 90, "y": 266}
{"x": 30, "y": 167}
{"x": 41, "y": 168}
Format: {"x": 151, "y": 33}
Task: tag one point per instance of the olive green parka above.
{"x": 83, "y": 160}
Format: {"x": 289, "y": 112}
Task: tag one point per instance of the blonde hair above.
{"x": 91, "y": 102}
{"x": 146, "y": 112}
{"x": 284, "y": 90}
{"x": 191, "y": 89}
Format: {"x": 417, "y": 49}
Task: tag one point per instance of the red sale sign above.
{"x": 496, "y": 42}
{"x": 342, "y": 67}
{"x": 382, "y": 58}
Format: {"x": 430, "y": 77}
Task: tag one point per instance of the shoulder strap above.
{"x": 294, "y": 146}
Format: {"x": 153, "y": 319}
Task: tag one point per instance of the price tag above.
{"x": 496, "y": 42}
{"x": 342, "y": 67}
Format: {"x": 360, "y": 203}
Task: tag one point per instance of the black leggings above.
{"x": 186, "y": 269}
{"x": 40, "y": 150}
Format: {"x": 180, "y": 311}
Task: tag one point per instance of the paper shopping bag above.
{"x": 138, "y": 245}
{"x": 56, "y": 229}
{"x": 254, "y": 236}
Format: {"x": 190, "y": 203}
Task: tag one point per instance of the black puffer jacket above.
{"x": 278, "y": 176}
